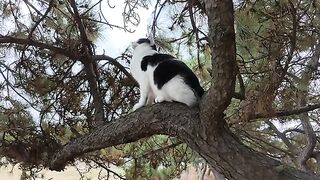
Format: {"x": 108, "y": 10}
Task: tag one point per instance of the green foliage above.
{"x": 16, "y": 122}
{"x": 274, "y": 43}
{"x": 158, "y": 157}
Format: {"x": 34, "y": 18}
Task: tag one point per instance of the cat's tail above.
{"x": 199, "y": 91}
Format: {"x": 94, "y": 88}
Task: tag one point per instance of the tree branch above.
{"x": 282, "y": 136}
{"x": 311, "y": 137}
{"x": 163, "y": 118}
{"x": 50, "y": 6}
{"x": 115, "y": 63}
{"x": 80, "y": 25}
{"x": 58, "y": 50}
{"x": 195, "y": 30}
{"x": 286, "y": 113}
{"x": 90, "y": 67}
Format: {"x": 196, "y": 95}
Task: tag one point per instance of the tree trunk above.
{"x": 226, "y": 154}
{"x": 213, "y": 140}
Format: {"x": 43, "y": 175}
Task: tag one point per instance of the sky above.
{"x": 114, "y": 41}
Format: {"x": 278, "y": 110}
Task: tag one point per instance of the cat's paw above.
{"x": 159, "y": 99}
{"x": 137, "y": 106}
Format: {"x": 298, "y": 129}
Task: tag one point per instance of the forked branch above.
{"x": 164, "y": 118}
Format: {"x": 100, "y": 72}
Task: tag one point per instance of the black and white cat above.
{"x": 162, "y": 77}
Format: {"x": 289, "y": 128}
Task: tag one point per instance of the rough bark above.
{"x": 165, "y": 118}
{"x": 204, "y": 129}
{"x": 222, "y": 43}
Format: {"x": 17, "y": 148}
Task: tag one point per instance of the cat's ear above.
{"x": 134, "y": 45}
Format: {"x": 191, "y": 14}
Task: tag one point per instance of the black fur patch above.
{"x": 168, "y": 68}
{"x": 143, "y": 40}
{"x": 146, "y": 40}
{"x": 154, "y": 59}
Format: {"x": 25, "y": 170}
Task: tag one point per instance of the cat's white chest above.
{"x": 134, "y": 68}
{"x": 135, "y": 65}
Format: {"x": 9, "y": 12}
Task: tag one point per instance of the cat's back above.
{"x": 154, "y": 60}
{"x": 170, "y": 68}
{"x": 164, "y": 68}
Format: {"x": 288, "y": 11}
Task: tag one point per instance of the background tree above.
{"x": 258, "y": 120}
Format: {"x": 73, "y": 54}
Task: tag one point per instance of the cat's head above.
{"x": 143, "y": 41}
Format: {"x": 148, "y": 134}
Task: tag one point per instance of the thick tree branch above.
{"x": 163, "y": 118}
